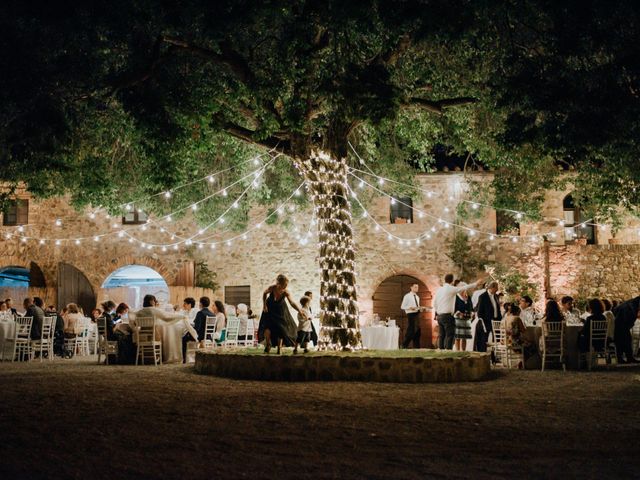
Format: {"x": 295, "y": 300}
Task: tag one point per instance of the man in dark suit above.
{"x": 32, "y": 310}
{"x": 626, "y": 314}
{"x": 199, "y": 323}
{"x": 488, "y": 310}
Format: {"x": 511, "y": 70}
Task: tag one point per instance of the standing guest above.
{"x": 444, "y": 304}
{"x": 314, "y": 334}
{"x": 571, "y": 314}
{"x": 626, "y": 315}
{"x": 552, "y": 312}
{"x": 411, "y": 306}
{"x": 304, "y": 326}
{"x": 527, "y": 312}
{"x": 462, "y": 315}
{"x": 9, "y": 303}
{"x": 189, "y": 308}
{"x": 32, "y": 310}
{"x": 200, "y": 324}
{"x": 309, "y": 295}
{"x": 277, "y": 328}
{"x": 488, "y": 311}
{"x": 596, "y": 312}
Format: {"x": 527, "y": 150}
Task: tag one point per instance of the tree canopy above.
{"x": 117, "y": 100}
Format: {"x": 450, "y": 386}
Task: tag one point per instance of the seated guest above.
{"x": 50, "y": 311}
{"x": 73, "y": 321}
{"x": 571, "y": 314}
{"x": 200, "y": 323}
{"x": 221, "y": 318}
{"x": 150, "y": 308}
{"x": 95, "y": 314}
{"x": 611, "y": 318}
{"x": 32, "y": 310}
{"x": 518, "y": 336}
{"x": 596, "y": 312}
{"x": 527, "y": 312}
{"x": 243, "y": 315}
{"x": 3, "y": 308}
{"x": 121, "y": 310}
{"x": 189, "y": 309}
{"x": 9, "y": 303}
{"x": 552, "y": 312}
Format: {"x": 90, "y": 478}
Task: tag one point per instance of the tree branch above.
{"x": 249, "y": 136}
{"x": 438, "y": 106}
{"x": 227, "y": 57}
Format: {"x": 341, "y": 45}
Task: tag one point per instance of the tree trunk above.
{"x": 326, "y": 179}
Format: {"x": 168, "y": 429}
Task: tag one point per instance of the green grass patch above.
{"x": 422, "y": 353}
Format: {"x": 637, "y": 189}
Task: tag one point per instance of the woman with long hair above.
{"x": 277, "y": 327}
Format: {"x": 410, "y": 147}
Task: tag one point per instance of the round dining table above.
{"x": 7, "y": 331}
{"x": 380, "y": 337}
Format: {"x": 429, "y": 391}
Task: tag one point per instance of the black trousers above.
{"x": 482, "y": 337}
{"x": 413, "y": 331}
{"x": 447, "y": 330}
{"x": 186, "y": 339}
{"x": 622, "y": 338}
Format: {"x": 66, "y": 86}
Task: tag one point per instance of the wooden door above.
{"x": 388, "y": 298}
{"x": 73, "y": 287}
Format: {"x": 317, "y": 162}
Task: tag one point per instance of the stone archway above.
{"x": 145, "y": 261}
{"x": 387, "y": 299}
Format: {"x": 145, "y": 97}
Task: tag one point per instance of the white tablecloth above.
{"x": 380, "y": 338}
{"x": 7, "y": 330}
{"x": 171, "y": 334}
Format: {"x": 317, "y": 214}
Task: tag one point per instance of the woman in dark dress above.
{"x": 277, "y": 327}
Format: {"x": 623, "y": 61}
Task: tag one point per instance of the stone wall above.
{"x": 274, "y": 249}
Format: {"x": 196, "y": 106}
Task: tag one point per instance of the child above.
{"x": 304, "y": 325}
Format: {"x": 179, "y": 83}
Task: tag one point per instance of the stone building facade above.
{"x": 560, "y": 266}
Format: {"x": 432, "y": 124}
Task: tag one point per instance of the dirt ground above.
{"x": 75, "y": 419}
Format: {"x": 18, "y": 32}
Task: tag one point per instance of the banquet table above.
{"x": 380, "y": 337}
{"x": 7, "y": 331}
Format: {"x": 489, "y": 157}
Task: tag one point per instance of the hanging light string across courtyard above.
{"x": 210, "y": 178}
{"x": 229, "y": 241}
{"x": 167, "y": 217}
{"x": 474, "y": 204}
{"x": 440, "y": 220}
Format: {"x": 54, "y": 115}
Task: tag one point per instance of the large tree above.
{"x": 163, "y": 92}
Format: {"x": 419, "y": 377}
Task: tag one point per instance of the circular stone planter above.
{"x": 405, "y": 366}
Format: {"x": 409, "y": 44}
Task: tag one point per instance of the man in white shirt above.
{"x": 411, "y": 306}
{"x": 444, "y": 304}
{"x": 189, "y": 308}
{"x": 476, "y": 295}
{"x": 527, "y": 312}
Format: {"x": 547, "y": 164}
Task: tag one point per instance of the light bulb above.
{"x": 167, "y": 194}
{"x": 58, "y": 222}
{"x": 194, "y": 207}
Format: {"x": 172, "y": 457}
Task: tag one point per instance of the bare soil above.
{"x": 75, "y": 419}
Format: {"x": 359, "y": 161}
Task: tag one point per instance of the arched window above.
{"x": 577, "y": 225}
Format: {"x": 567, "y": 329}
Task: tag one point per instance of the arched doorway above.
{"x": 129, "y": 284}
{"x": 18, "y": 282}
{"x": 388, "y": 298}
{"x": 73, "y": 287}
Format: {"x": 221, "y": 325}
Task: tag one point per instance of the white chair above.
{"x": 232, "y": 331}
{"x": 82, "y": 340}
{"x": 552, "y": 342}
{"x": 45, "y": 343}
{"x": 105, "y": 346}
{"x": 209, "y": 332}
{"x": 147, "y": 345}
{"x": 499, "y": 343}
{"x": 598, "y": 343}
{"x": 248, "y": 332}
{"x": 22, "y": 338}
